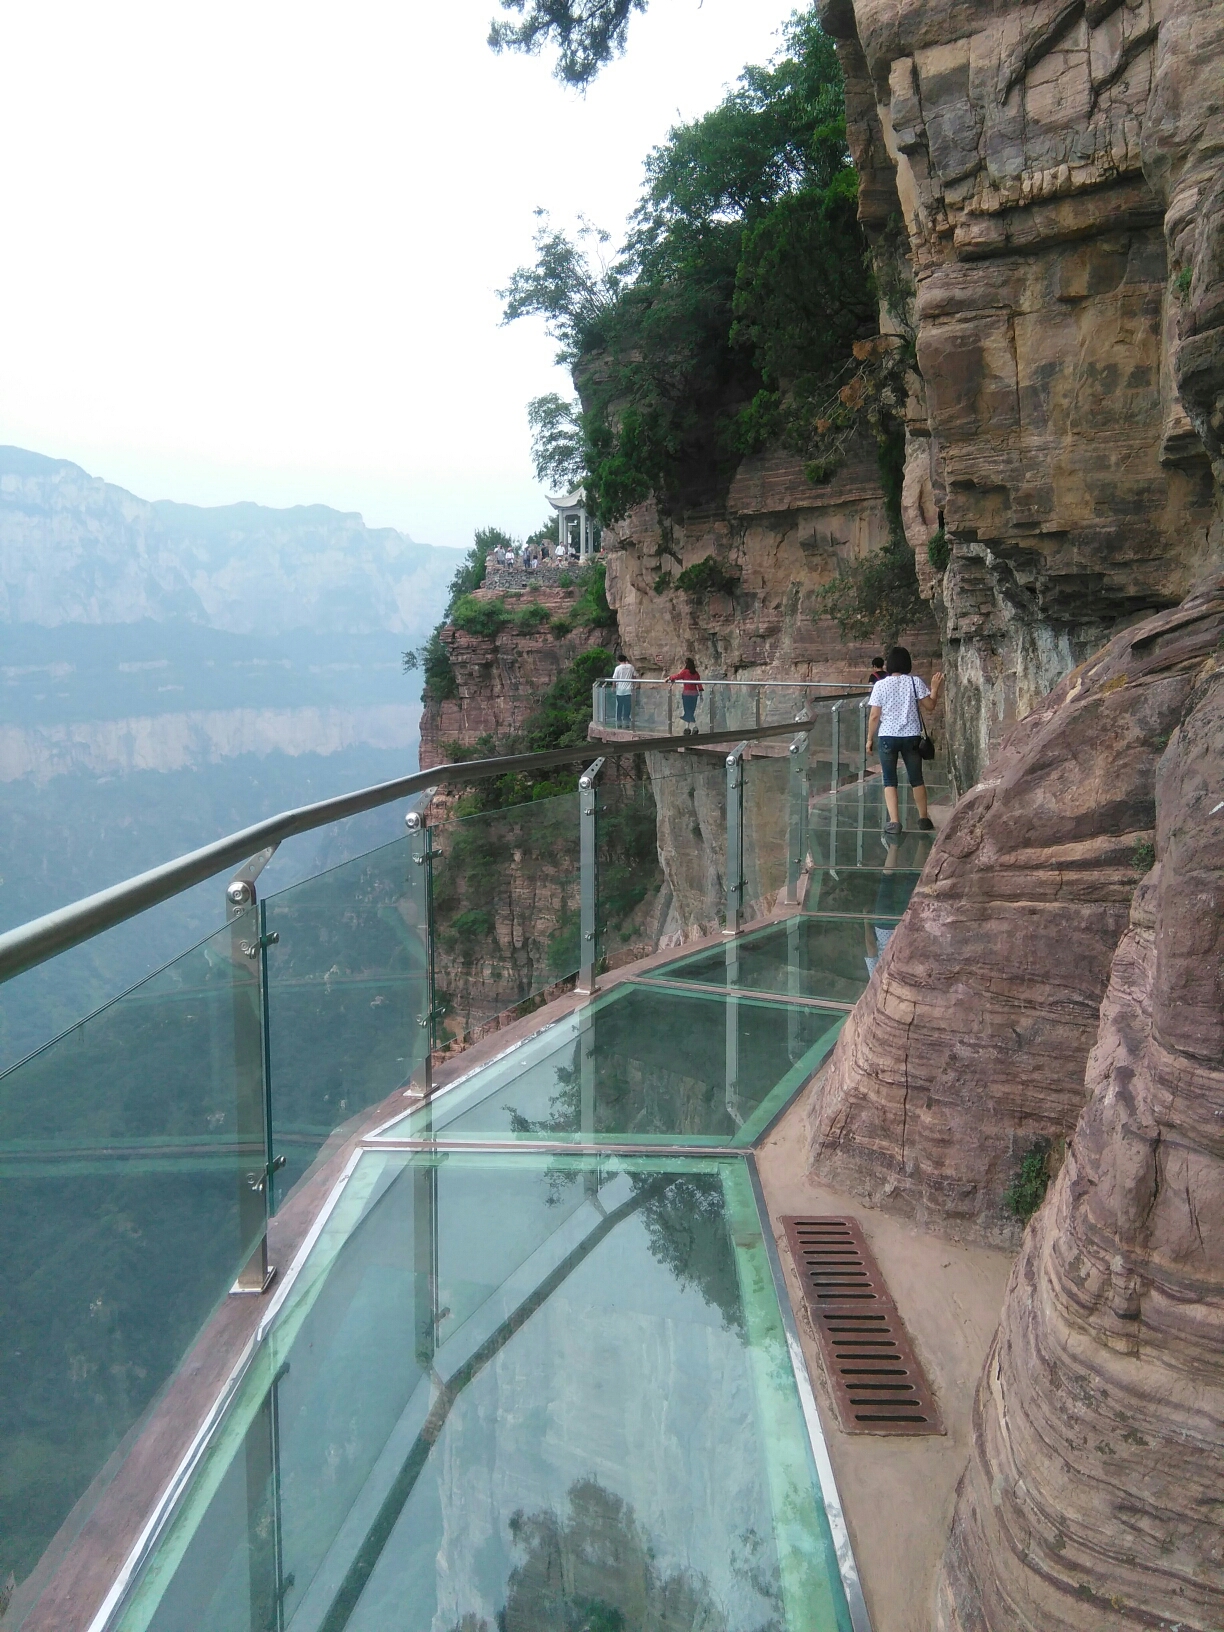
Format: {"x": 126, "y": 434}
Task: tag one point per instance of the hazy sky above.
{"x": 251, "y": 251}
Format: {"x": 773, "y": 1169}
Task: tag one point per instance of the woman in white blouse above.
{"x": 899, "y": 704}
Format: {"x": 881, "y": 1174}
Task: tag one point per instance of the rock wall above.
{"x": 1056, "y": 167}
{"x": 989, "y": 995}
{"x": 1093, "y": 1495}
{"x": 784, "y": 539}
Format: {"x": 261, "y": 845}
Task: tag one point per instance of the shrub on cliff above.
{"x": 479, "y": 617}
{"x": 878, "y": 597}
{"x": 591, "y": 609}
{"x": 708, "y": 577}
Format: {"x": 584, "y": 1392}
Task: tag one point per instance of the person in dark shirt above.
{"x": 877, "y": 670}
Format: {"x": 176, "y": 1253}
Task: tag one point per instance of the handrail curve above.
{"x": 30, "y": 944}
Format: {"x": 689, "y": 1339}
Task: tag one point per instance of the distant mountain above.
{"x": 76, "y": 549}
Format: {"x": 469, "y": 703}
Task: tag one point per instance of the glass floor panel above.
{"x": 877, "y": 891}
{"x": 849, "y": 845}
{"x": 643, "y": 1065}
{"x": 806, "y": 956}
{"x": 531, "y": 1392}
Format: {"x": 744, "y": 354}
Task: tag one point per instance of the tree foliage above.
{"x": 735, "y": 299}
{"x": 587, "y": 33}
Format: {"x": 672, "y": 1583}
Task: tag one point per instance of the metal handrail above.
{"x": 33, "y": 943}
{"x": 848, "y": 688}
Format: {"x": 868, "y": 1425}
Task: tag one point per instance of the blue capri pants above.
{"x": 907, "y": 749}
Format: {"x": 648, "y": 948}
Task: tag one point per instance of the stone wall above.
{"x": 1055, "y": 165}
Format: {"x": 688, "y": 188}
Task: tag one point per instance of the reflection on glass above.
{"x": 802, "y": 957}
{"x": 506, "y": 905}
{"x": 522, "y": 1392}
{"x": 121, "y": 1159}
{"x": 767, "y": 790}
{"x": 347, "y": 987}
{"x": 644, "y": 1065}
{"x": 857, "y": 890}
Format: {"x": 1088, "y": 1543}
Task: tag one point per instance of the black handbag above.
{"x": 926, "y": 742}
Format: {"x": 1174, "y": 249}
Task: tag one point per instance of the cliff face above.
{"x": 1092, "y": 1498}
{"x": 500, "y": 678}
{"x": 990, "y": 993}
{"x": 1055, "y": 165}
{"x": 783, "y": 539}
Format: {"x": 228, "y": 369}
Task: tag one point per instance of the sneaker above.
{"x": 925, "y": 825}
{"x": 694, "y": 730}
{"x": 892, "y": 830}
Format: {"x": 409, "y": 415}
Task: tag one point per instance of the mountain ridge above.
{"x": 75, "y": 548}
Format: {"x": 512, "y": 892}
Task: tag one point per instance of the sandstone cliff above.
{"x": 1056, "y": 166}
{"x": 500, "y": 678}
{"x": 1059, "y": 169}
{"x": 1093, "y": 1495}
{"x": 782, "y": 539}
{"x": 990, "y": 994}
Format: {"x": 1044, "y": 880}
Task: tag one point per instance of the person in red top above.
{"x": 689, "y": 694}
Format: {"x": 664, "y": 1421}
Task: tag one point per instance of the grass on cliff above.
{"x": 1032, "y": 1180}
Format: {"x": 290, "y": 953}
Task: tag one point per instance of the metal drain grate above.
{"x": 878, "y": 1385}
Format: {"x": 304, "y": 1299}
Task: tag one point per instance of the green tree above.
{"x": 587, "y": 33}
{"x": 432, "y": 658}
{"x": 740, "y": 288}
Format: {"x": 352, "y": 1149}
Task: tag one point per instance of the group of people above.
{"x": 529, "y": 557}
{"x": 624, "y": 674}
{"x": 900, "y": 704}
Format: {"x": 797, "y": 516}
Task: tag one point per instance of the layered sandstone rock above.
{"x": 1093, "y": 1497}
{"x": 972, "y": 1039}
{"x": 1056, "y": 165}
{"x": 783, "y": 539}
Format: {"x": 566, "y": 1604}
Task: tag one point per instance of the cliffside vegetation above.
{"x": 730, "y": 314}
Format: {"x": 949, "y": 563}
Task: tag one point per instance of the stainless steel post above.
{"x": 425, "y": 1256}
{"x": 835, "y": 750}
{"x": 248, "y": 963}
{"x": 422, "y": 854}
{"x": 862, "y": 778}
{"x": 757, "y": 707}
{"x": 731, "y": 1095}
{"x": 735, "y": 839}
{"x": 796, "y": 846}
{"x": 267, "y": 1582}
{"x": 588, "y": 850}
{"x": 670, "y": 707}
{"x": 586, "y": 1088}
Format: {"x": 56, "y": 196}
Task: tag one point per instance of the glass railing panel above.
{"x": 646, "y": 1064}
{"x": 632, "y": 898}
{"x": 768, "y": 773}
{"x": 506, "y": 908}
{"x": 614, "y": 1437}
{"x": 690, "y": 796}
{"x": 348, "y": 990}
{"x": 804, "y": 957}
{"x": 124, "y": 1147}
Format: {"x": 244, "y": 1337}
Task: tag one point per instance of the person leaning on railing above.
{"x": 899, "y": 705}
{"x": 689, "y": 694}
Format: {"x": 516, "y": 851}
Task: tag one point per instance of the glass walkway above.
{"x": 533, "y": 1365}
